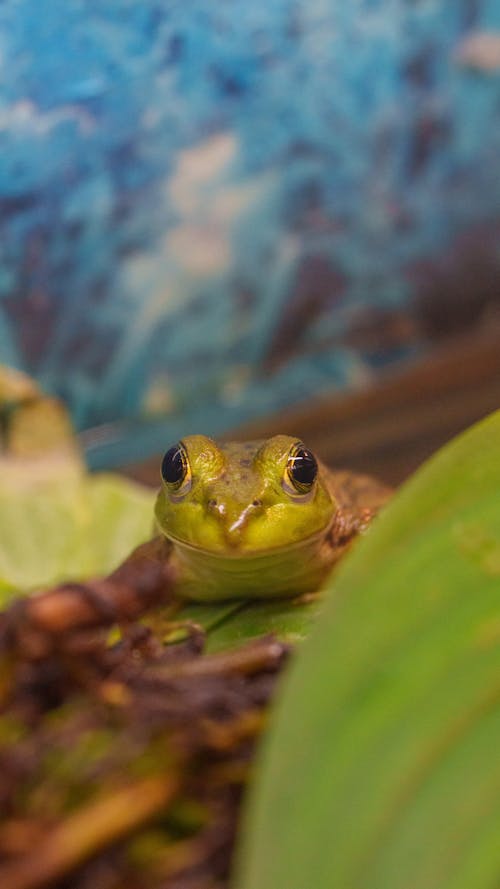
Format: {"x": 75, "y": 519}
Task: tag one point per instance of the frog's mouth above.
{"x": 233, "y": 548}
{"x": 210, "y": 574}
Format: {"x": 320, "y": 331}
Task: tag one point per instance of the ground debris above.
{"x": 123, "y": 760}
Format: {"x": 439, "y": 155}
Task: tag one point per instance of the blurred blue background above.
{"x": 212, "y": 210}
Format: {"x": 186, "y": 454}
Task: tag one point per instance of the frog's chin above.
{"x": 215, "y": 575}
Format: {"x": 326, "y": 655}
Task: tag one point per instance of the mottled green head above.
{"x": 242, "y": 498}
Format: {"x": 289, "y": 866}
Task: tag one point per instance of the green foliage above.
{"x": 68, "y": 526}
{"x": 290, "y": 620}
{"x": 57, "y": 522}
{"x": 381, "y": 770}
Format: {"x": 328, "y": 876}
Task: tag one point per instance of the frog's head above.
{"x": 235, "y": 498}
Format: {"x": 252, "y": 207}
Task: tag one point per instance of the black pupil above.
{"x": 173, "y": 467}
{"x": 303, "y": 467}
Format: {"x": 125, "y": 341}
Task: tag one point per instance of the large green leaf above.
{"x": 382, "y": 768}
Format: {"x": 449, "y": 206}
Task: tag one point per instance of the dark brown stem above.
{"x": 263, "y": 654}
{"x": 145, "y": 579}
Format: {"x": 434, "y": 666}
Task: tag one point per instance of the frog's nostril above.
{"x": 256, "y": 503}
{"x": 212, "y": 503}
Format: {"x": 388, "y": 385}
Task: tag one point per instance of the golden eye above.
{"x": 302, "y": 468}
{"x": 175, "y": 470}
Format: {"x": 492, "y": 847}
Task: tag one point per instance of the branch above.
{"x": 146, "y": 578}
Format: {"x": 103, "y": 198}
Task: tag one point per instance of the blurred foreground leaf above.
{"x": 382, "y": 769}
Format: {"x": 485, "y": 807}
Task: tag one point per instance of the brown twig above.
{"x": 266, "y": 653}
{"x": 145, "y": 579}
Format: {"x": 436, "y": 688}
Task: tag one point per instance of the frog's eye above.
{"x": 301, "y": 469}
{"x": 175, "y": 470}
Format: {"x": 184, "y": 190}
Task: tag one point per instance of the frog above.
{"x": 261, "y": 519}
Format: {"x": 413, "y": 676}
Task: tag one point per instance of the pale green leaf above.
{"x": 68, "y": 527}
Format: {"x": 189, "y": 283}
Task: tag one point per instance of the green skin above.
{"x": 237, "y": 526}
